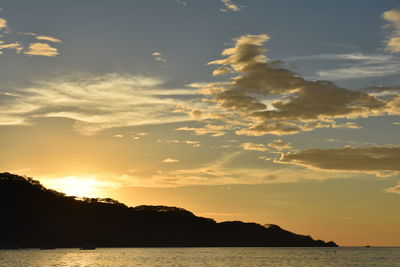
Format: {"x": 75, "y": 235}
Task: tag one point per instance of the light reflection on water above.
{"x": 197, "y": 257}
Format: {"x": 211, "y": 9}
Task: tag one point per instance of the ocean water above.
{"x": 197, "y": 257}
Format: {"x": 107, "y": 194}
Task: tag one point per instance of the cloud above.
{"x": 359, "y": 72}
{"x": 188, "y": 142}
{"x": 11, "y": 46}
{"x": 220, "y": 171}
{"x": 275, "y": 100}
{"x": 213, "y": 130}
{"x": 377, "y": 160}
{"x": 217, "y": 171}
{"x": 158, "y": 57}
{"x": 48, "y": 38}
{"x": 394, "y": 189}
{"x": 138, "y": 135}
{"x": 196, "y": 113}
{"x": 182, "y": 2}
{"x": 97, "y": 103}
{"x": 279, "y": 144}
{"x": 34, "y": 48}
{"x": 253, "y": 147}
{"x": 371, "y": 58}
{"x": 279, "y": 128}
{"x": 221, "y": 71}
{"x": 383, "y": 89}
{"x": 356, "y": 65}
{"x": 3, "y": 23}
{"x": 169, "y": 160}
{"x": 393, "y": 19}
{"x": 229, "y": 6}
{"x": 41, "y": 49}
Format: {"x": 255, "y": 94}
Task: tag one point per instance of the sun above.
{"x": 75, "y": 185}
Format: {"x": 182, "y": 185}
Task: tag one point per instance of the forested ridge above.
{"x": 33, "y": 216}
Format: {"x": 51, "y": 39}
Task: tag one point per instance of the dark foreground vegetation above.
{"x": 33, "y": 216}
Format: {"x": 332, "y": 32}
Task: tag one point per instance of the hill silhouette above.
{"x": 33, "y": 216}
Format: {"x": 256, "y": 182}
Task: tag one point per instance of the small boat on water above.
{"x": 47, "y": 248}
{"x": 87, "y": 247}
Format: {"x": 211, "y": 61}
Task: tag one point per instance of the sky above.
{"x": 282, "y": 112}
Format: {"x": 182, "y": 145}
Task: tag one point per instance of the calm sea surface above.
{"x": 346, "y": 256}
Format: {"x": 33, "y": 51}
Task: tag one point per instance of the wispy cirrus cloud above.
{"x": 220, "y": 171}
{"x": 371, "y": 58}
{"x": 354, "y": 65}
{"x": 217, "y": 171}
{"x": 96, "y": 102}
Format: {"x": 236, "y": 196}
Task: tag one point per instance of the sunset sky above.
{"x": 278, "y": 111}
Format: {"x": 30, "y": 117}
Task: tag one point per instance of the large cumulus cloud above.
{"x": 275, "y": 100}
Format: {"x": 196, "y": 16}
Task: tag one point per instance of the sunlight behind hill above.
{"x": 75, "y": 185}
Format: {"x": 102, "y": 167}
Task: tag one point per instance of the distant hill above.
{"x": 33, "y": 216}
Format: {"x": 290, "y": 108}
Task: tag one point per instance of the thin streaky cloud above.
{"x": 48, "y": 38}
{"x": 359, "y": 72}
{"x": 219, "y": 171}
{"x": 358, "y": 65}
{"x": 11, "y": 46}
{"x": 170, "y": 160}
{"x": 375, "y": 58}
